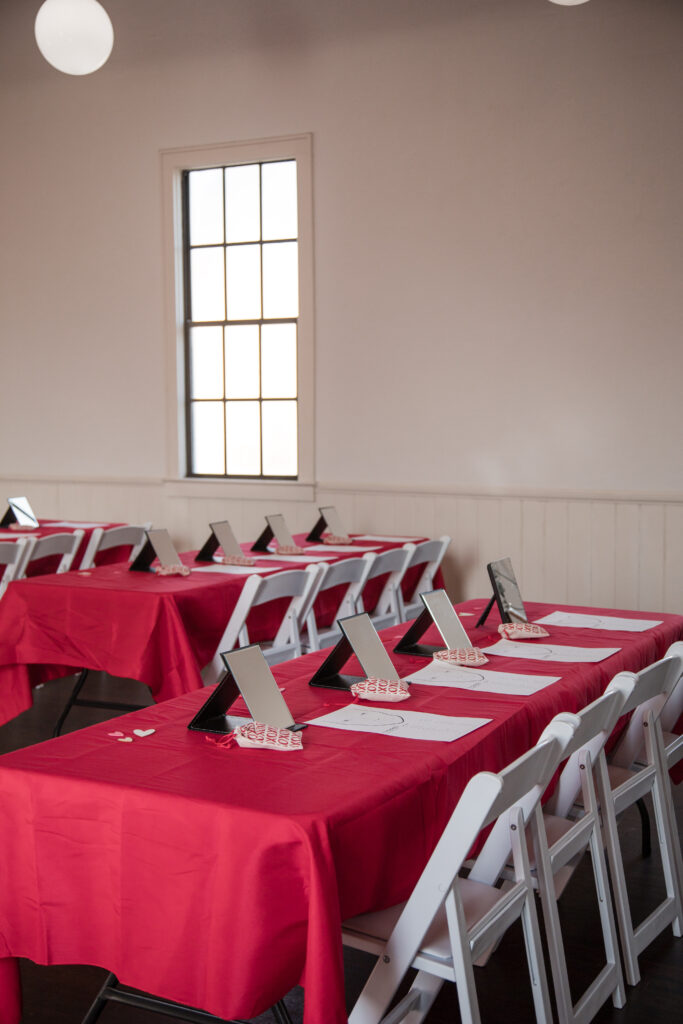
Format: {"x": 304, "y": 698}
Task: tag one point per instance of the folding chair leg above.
{"x": 609, "y": 927}
{"x": 645, "y": 827}
{"x": 423, "y": 992}
{"x": 530, "y": 928}
{"x": 669, "y": 848}
{"x": 462, "y": 962}
{"x": 616, "y": 868}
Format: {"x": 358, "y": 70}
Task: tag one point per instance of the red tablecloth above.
{"x": 159, "y": 630}
{"x": 219, "y": 878}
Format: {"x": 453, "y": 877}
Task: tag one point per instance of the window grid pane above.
{"x": 254, "y": 375}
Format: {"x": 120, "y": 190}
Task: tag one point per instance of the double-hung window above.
{"x": 245, "y": 298}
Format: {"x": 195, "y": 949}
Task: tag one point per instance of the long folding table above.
{"x": 159, "y": 630}
{"x": 218, "y": 877}
{"x": 48, "y": 527}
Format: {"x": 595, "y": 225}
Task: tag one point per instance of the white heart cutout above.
{"x": 125, "y": 739}
{"x": 143, "y": 732}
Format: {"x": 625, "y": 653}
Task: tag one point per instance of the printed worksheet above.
{"x": 386, "y": 539}
{"x": 440, "y": 674}
{"x": 613, "y": 622}
{"x": 411, "y": 725}
{"x": 301, "y": 558}
{"x": 232, "y": 570}
{"x": 342, "y": 547}
{"x": 533, "y": 651}
{"x": 66, "y": 522}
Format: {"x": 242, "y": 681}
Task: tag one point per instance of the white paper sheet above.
{"x": 342, "y": 547}
{"x": 534, "y": 651}
{"x": 411, "y": 725}
{"x": 233, "y": 570}
{"x": 378, "y": 536}
{"x": 441, "y": 674}
{"x": 18, "y": 534}
{"x": 613, "y": 622}
{"x": 303, "y": 558}
{"x": 75, "y": 526}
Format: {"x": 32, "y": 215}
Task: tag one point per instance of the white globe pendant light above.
{"x": 74, "y": 36}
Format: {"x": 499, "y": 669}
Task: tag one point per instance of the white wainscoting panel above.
{"x": 620, "y": 551}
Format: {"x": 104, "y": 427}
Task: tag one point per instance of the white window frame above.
{"x": 173, "y": 163}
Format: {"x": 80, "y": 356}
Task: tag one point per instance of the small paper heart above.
{"x": 116, "y": 735}
{"x": 143, "y": 732}
{"x": 125, "y": 739}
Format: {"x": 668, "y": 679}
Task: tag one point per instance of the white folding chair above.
{"x": 559, "y": 843}
{"x": 257, "y": 591}
{"x": 64, "y": 544}
{"x": 624, "y": 782}
{"x": 448, "y": 922}
{"x": 351, "y": 573}
{"x": 12, "y": 554}
{"x": 671, "y": 712}
{"x": 387, "y": 611}
{"x": 430, "y": 554}
{"x": 114, "y": 537}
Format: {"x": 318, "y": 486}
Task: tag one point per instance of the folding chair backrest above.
{"x": 351, "y": 571}
{"x": 212, "y": 672}
{"x": 523, "y": 783}
{"x": 652, "y": 687}
{"x": 393, "y": 563}
{"x": 115, "y": 537}
{"x": 429, "y": 553}
{"x": 11, "y": 557}
{"x": 64, "y": 544}
{"x": 673, "y": 709}
{"x": 595, "y": 725}
{"x": 294, "y": 584}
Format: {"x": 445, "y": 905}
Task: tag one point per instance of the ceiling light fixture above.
{"x": 74, "y": 36}
{"x": 568, "y": 3}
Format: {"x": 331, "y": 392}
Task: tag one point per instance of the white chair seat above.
{"x": 374, "y": 929}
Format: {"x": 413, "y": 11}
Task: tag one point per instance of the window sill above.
{"x": 277, "y": 490}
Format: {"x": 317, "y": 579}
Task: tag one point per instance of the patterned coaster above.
{"x": 332, "y": 538}
{"x": 470, "y": 656}
{"x": 289, "y": 549}
{"x": 172, "y": 570}
{"x": 522, "y": 631}
{"x": 389, "y": 691}
{"x": 256, "y": 734}
{"x": 236, "y": 560}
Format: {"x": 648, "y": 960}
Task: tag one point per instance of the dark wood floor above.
{"x": 62, "y": 995}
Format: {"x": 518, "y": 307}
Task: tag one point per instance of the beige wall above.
{"x": 497, "y": 204}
